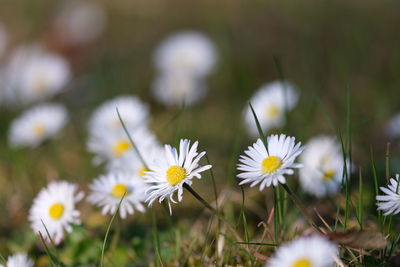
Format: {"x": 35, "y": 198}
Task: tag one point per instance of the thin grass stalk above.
{"x": 108, "y": 231}
{"x": 301, "y": 208}
{"x": 131, "y": 140}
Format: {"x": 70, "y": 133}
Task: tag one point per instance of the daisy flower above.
{"x": 177, "y": 88}
{"x": 172, "y": 170}
{"x": 133, "y": 164}
{"x": 323, "y": 166}
{"x": 390, "y": 201}
{"x": 55, "y": 208}
{"x": 310, "y": 251}
{"x": 3, "y": 40}
{"x": 107, "y": 191}
{"x": 79, "y": 22}
{"x": 109, "y": 145}
{"x": 18, "y": 260}
{"x": 270, "y": 103}
{"x": 37, "y": 124}
{"x": 269, "y": 165}
{"x": 33, "y": 74}
{"x": 190, "y": 52}
{"x": 134, "y": 113}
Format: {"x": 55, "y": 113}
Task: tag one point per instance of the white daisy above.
{"x": 108, "y": 145}
{"x": 177, "y": 88}
{"x": 309, "y": 251}
{"x": 393, "y": 127}
{"x": 32, "y": 74}
{"x": 107, "y": 191}
{"x": 270, "y": 103}
{"x": 133, "y": 163}
{"x": 79, "y": 22}
{"x": 3, "y": 40}
{"x": 190, "y": 52}
{"x": 55, "y": 208}
{"x": 172, "y": 170}
{"x": 18, "y": 260}
{"x": 37, "y": 125}
{"x": 323, "y": 166}
{"x": 390, "y": 202}
{"x": 269, "y": 166}
{"x": 134, "y": 113}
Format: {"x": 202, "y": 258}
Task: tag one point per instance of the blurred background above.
{"x": 336, "y": 53}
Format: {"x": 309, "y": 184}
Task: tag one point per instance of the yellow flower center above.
{"x": 270, "y": 164}
{"x": 119, "y": 190}
{"x": 175, "y": 175}
{"x": 121, "y": 147}
{"x": 38, "y": 130}
{"x": 328, "y": 175}
{"x": 142, "y": 170}
{"x": 302, "y": 263}
{"x": 56, "y": 211}
{"x": 272, "y": 111}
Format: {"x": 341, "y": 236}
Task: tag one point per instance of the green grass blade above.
{"x": 108, "y": 231}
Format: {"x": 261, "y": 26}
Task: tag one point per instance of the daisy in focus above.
{"x": 109, "y": 146}
{"x": 133, "y": 111}
{"x": 310, "y": 251}
{"x": 270, "y": 103}
{"x": 37, "y": 125}
{"x": 107, "y": 191}
{"x": 269, "y": 165}
{"x": 18, "y": 260}
{"x": 323, "y": 166}
{"x": 172, "y": 170}
{"x": 189, "y": 52}
{"x": 55, "y": 208}
{"x": 390, "y": 201}
{"x": 33, "y": 74}
{"x": 177, "y": 88}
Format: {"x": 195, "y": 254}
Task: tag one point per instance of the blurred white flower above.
{"x": 189, "y": 52}
{"x": 393, "y": 127}
{"x": 80, "y": 22}
{"x": 107, "y": 191}
{"x": 55, "y": 208}
{"x": 134, "y": 113}
{"x": 32, "y": 74}
{"x": 311, "y": 251}
{"x": 3, "y": 40}
{"x": 269, "y": 165}
{"x": 177, "y": 88}
{"x": 390, "y": 201}
{"x": 108, "y": 145}
{"x": 323, "y": 166}
{"x": 134, "y": 164}
{"x": 18, "y": 260}
{"x": 270, "y": 103}
{"x": 37, "y": 124}
{"x": 172, "y": 170}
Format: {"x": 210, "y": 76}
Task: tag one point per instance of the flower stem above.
{"x": 301, "y": 207}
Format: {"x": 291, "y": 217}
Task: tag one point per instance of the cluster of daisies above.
{"x": 137, "y": 169}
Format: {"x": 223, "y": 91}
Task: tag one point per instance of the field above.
{"x": 342, "y": 60}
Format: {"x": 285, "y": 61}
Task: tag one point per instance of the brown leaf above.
{"x": 360, "y": 239}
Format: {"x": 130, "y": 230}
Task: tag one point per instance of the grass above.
{"x": 324, "y": 48}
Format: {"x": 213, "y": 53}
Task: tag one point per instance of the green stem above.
{"x": 301, "y": 207}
